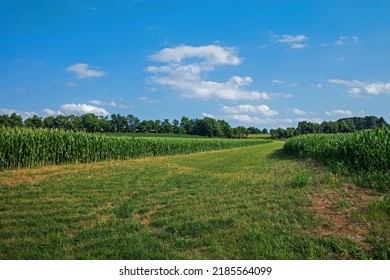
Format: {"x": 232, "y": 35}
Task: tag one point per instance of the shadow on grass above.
{"x": 280, "y": 154}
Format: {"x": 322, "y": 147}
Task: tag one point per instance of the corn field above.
{"x": 23, "y": 147}
{"x": 365, "y": 152}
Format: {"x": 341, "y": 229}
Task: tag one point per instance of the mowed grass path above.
{"x": 245, "y": 203}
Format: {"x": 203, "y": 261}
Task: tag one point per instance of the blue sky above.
{"x": 258, "y": 63}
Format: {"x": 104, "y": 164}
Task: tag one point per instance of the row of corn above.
{"x": 366, "y": 152}
{"x": 23, "y": 147}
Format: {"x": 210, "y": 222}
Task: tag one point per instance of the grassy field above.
{"x": 253, "y": 202}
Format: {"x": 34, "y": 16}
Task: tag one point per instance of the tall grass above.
{"x": 23, "y": 147}
{"x": 366, "y": 153}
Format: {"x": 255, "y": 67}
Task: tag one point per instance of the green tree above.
{"x": 226, "y": 129}
{"x": 49, "y": 122}
{"x": 166, "y": 126}
{"x": 157, "y": 126}
{"x": 176, "y": 126}
{"x": 90, "y": 122}
{"x": 15, "y": 120}
{"x": 254, "y": 130}
{"x": 382, "y": 123}
{"x": 34, "y": 122}
{"x": 240, "y": 132}
{"x": 346, "y": 126}
{"x": 5, "y": 121}
{"x": 329, "y": 127}
{"x": 133, "y": 123}
{"x": 209, "y": 127}
{"x": 75, "y": 123}
{"x": 118, "y": 123}
{"x": 304, "y": 127}
{"x": 187, "y": 125}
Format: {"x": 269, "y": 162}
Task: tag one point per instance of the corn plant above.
{"x": 364, "y": 152}
{"x": 24, "y": 147}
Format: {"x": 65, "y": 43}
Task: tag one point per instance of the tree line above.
{"x": 205, "y": 127}
{"x": 129, "y": 124}
{"x": 345, "y": 125}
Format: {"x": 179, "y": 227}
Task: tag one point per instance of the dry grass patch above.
{"x": 335, "y": 206}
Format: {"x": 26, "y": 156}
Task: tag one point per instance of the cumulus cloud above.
{"x": 298, "y": 112}
{"x": 84, "y": 71}
{"x": 338, "y": 113}
{"x": 189, "y": 77}
{"x": 293, "y": 41}
{"x": 358, "y": 87}
{"x": 65, "y": 109}
{"x": 79, "y": 109}
{"x": 49, "y": 112}
{"x": 212, "y": 54}
{"x": 24, "y": 115}
{"x": 263, "y": 110}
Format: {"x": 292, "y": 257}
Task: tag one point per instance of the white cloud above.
{"x": 189, "y": 77}
{"x": 293, "y": 41}
{"x": 263, "y": 110}
{"x": 96, "y": 102}
{"x": 49, "y": 112}
{"x": 358, "y": 87}
{"x": 288, "y": 95}
{"x": 313, "y": 120}
{"x": 79, "y": 109}
{"x": 65, "y": 109}
{"x": 347, "y": 40}
{"x": 338, "y": 113}
{"x": 355, "y": 92}
{"x": 353, "y": 83}
{"x": 208, "y": 115}
{"x": 298, "y": 112}
{"x": 244, "y": 118}
{"x": 212, "y": 54}
{"x": 109, "y": 104}
{"x": 146, "y": 99}
{"x": 377, "y": 88}
{"x": 276, "y": 81}
{"x": 24, "y": 115}
{"x": 342, "y": 41}
{"x": 280, "y": 82}
{"x": 84, "y": 71}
